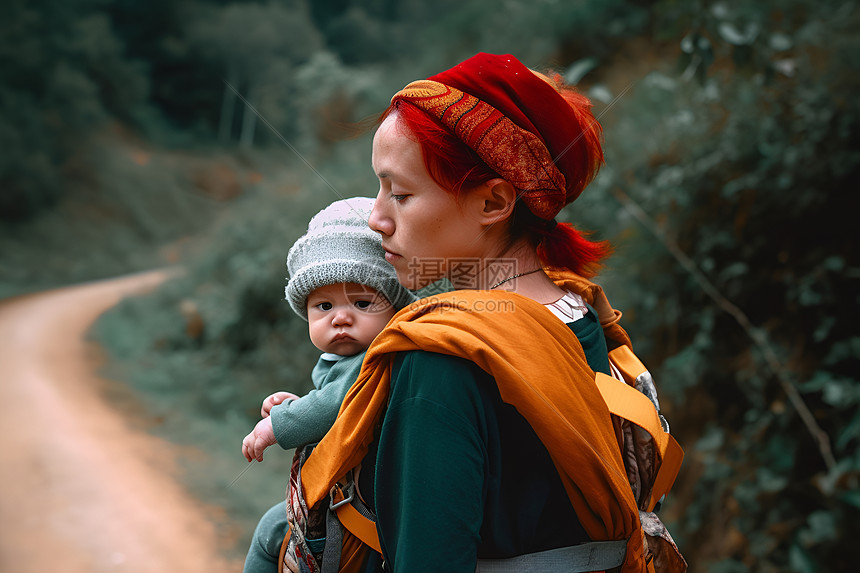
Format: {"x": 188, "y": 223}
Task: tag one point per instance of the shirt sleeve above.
{"x": 308, "y": 419}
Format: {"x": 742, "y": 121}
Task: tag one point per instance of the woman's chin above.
{"x": 413, "y": 282}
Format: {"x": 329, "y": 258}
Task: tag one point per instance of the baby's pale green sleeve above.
{"x": 308, "y": 419}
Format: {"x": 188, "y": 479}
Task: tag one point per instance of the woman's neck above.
{"x": 515, "y": 269}
{"x": 536, "y": 286}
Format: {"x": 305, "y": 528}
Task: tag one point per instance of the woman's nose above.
{"x": 378, "y": 220}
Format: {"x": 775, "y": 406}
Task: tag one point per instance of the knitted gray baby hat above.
{"x": 339, "y": 247}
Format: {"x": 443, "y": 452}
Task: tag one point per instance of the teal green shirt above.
{"x": 459, "y": 474}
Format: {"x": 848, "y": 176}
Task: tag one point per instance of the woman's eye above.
{"x": 363, "y": 304}
{"x": 399, "y": 198}
{"x": 324, "y": 305}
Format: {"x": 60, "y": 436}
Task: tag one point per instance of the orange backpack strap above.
{"x": 627, "y": 402}
{"x": 362, "y": 527}
{"x": 672, "y": 459}
{"x": 628, "y": 363}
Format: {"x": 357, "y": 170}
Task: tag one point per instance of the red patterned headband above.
{"x": 516, "y": 154}
{"x": 546, "y": 143}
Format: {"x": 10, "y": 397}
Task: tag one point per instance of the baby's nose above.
{"x": 341, "y": 317}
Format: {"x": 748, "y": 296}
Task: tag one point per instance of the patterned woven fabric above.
{"x": 517, "y": 155}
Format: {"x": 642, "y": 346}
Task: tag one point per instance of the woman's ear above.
{"x": 496, "y": 201}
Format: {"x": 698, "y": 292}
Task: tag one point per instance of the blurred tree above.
{"x": 254, "y": 45}
{"x": 361, "y": 31}
{"x": 184, "y": 90}
{"x": 64, "y": 74}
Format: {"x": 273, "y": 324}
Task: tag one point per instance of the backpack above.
{"x": 333, "y": 537}
{"x": 336, "y": 536}
{"x": 651, "y": 455}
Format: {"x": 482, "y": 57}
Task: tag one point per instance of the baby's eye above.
{"x": 324, "y": 305}
{"x": 363, "y": 304}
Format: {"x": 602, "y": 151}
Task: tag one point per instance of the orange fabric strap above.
{"x": 357, "y": 524}
{"x": 571, "y": 419}
{"x": 627, "y": 362}
{"x": 622, "y": 400}
{"x": 593, "y": 294}
{"x": 630, "y": 404}
{"x": 669, "y": 468}
{"x": 645, "y": 416}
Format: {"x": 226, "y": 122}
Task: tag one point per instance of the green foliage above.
{"x": 748, "y": 165}
{"x": 128, "y": 207}
{"x": 63, "y": 73}
{"x": 254, "y": 47}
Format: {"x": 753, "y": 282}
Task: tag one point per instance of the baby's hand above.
{"x": 274, "y": 400}
{"x": 257, "y": 441}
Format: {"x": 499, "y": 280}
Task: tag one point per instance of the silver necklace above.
{"x": 512, "y": 277}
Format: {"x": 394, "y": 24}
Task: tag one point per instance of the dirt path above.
{"x": 80, "y": 491}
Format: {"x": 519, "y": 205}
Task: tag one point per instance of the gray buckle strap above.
{"x": 333, "y": 527}
{"x": 333, "y": 543}
{"x": 594, "y": 556}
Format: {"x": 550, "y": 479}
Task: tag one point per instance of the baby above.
{"x": 342, "y": 285}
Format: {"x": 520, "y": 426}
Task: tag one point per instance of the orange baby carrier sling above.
{"x": 616, "y": 457}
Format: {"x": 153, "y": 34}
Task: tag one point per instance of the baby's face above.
{"x": 344, "y": 318}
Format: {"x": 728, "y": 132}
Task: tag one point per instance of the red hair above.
{"x": 454, "y": 166}
{"x": 582, "y": 158}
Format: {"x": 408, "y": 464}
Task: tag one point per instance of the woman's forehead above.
{"x": 392, "y": 147}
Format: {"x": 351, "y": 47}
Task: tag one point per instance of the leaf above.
{"x": 821, "y": 526}
{"x": 833, "y": 263}
{"x": 578, "y": 69}
{"x": 843, "y": 350}
{"x": 601, "y": 93}
{"x": 851, "y": 497}
{"x": 734, "y": 270}
{"x": 730, "y": 33}
{"x": 780, "y": 42}
{"x": 840, "y": 392}
{"x": 848, "y": 434}
{"x": 769, "y": 481}
{"x": 688, "y": 44}
{"x": 800, "y": 560}
{"x": 824, "y": 328}
{"x": 713, "y": 440}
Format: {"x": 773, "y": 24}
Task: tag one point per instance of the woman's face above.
{"x": 426, "y": 232}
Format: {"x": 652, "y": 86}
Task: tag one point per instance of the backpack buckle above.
{"x": 338, "y": 491}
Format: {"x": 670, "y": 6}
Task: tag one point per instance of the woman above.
{"x": 476, "y": 423}
{"x": 475, "y": 431}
